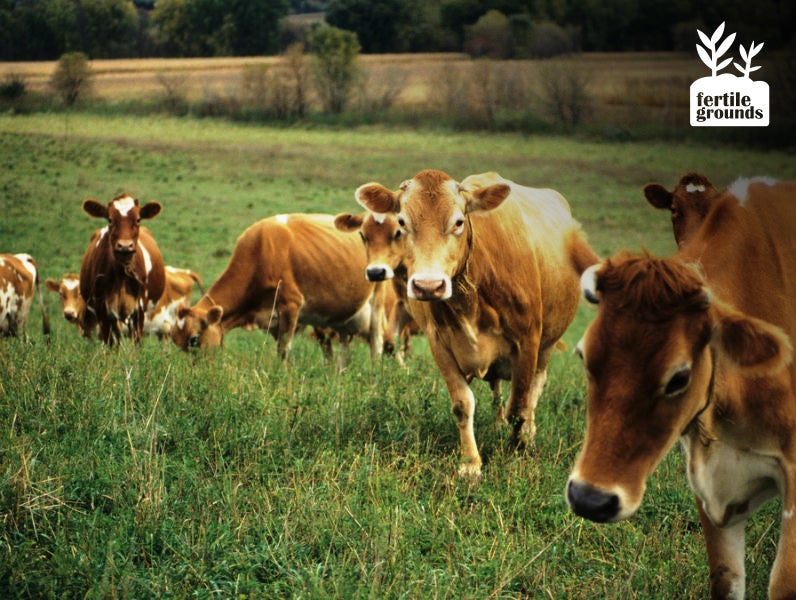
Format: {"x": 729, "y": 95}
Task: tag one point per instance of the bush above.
{"x": 565, "y": 92}
{"x": 490, "y": 36}
{"x": 334, "y": 68}
{"x": 13, "y": 87}
{"x": 72, "y": 77}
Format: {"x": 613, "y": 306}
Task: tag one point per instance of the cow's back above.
{"x": 18, "y": 275}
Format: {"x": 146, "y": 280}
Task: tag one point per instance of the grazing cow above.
{"x": 159, "y": 317}
{"x": 492, "y": 278}
{"x": 699, "y": 347}
{"x": 284, "y": 271}
{"x": 122, "y": 270}
{"x": 19, "y": 281}
{"x": 385, "y": 248}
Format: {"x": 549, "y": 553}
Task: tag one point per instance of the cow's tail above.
{"x": 580, "y": 252}
{"x": 45, "y": 319}
{"x": 198, "y": 281}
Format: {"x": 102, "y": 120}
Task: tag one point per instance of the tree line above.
{"x": 46, "y": 29}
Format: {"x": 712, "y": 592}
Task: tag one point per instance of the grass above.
{"x": 142, "y": 472}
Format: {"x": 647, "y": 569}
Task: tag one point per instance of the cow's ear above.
{"x": 214, "y": 315}
{"x": 377, "y": 198}
{"x": 348, "y": 222}
{"x": 52, "y": 285}
{"x": 183, "y": 311}
{"x": 150, "y": 210}
{"x": 94, "y": 209}
{"x": 756, "y": 346}
{"x": 658, "y": 196}
{"x": 487, "y": 198}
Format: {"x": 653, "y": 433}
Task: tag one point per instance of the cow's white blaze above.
{"x": 124, "y": 205}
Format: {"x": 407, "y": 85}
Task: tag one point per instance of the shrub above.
{"x": 72, "y": 77}
{"x": 335, "y": 66}
{"x": 490, "y": 36}
{"x": 565, "y": 92}
{"x": 13, "y": 87}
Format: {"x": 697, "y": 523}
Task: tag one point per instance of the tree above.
{"x": 72, "y": 77}
{"x": 334, "y": 67}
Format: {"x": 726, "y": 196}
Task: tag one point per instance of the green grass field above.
{"x": 142, "y": 472}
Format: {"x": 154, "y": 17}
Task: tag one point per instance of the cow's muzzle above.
{"x": 592, "y": 503}
{"x": 429, "y": 288}
{"x": 378, "y": 273}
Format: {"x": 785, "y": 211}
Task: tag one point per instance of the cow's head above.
{"x": 689, "y": 203}
{"x": 650, "y": 356}
{"x": 198, "y": 328}
{"x": 434, "y": 211}
{"x": 68, "y": 288}
{"x": 384, "y": 238}
{"x": 124, "y": 215}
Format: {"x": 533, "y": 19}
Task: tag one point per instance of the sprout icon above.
{"x": 711, "y": 58}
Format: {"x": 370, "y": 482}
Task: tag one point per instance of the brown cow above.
{"x": 698, "y": 347}
{"x": 385, "y": 248}
{"x": 492, "y": 276}
{"x": 284, "y": 271}
{"x": 159, "y": 317}
{"x": 122, "y": 270}
{"x": 19, "y": 281}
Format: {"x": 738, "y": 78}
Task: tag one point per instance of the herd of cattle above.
{"x": 696, "y": 347}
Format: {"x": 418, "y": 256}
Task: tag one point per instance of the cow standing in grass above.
{"x": 122, "y": 269}
{"x": 19, "y": 282}
{"x": 698, "y": 347}
{"x": 492, "y": 279}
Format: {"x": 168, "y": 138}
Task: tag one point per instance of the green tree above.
{"x": 335, "y": 66}
{"x": 72, "y": 77}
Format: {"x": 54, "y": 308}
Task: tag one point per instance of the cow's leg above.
{"x": 725, "y": 548}
{"x": 527, "y": 382}
{"x": 497, "y": 402}
{"x": 463, "y": 406}
{"x": 377, "y": 318}
{"x": 782, "y": 583}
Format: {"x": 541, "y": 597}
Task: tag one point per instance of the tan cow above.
{"x": 122, "y": 270}
{"x": 19, "y": 281}
{"x": 159, "y": 317}
{"x": 492, "y": 279}
{"x": 698, "y": 347}
{"x": 284, "y": 271}
{"x": 385, "y": 248}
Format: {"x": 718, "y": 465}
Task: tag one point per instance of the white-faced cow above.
{"x": 122, "y": 270}
{"x": 385, "y": 248}
{"x": 19, "y": 281}
{"x": 492, "y": 275}
{"x": 159, "y": 317}
{"x": 284, "y": 271}
{"x": 698, "y": 347}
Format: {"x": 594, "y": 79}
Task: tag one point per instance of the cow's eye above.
{"x": 679, "y": 382}
{"x": 401, "y": 222}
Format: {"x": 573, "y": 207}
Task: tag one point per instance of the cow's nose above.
{"x": 376, "y": 273}
{"x": 126, "y": 246}
{"x": 70, "y": 315}
{"x": 592, "y": 503}
{"x": 428, "y": 289}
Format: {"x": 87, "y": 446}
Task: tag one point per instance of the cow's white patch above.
{"x": 71, "y": 284}
{"x": 147, "y": 258}
{"x": 27, "y": 262}
{"x": 161, "y": 322}
{"x": 282, "y": 219}
{"x": 788, "y": 514}
{"x": 124, "y": 205}
{"x": 740, "y": 187}
{"x": 103, "y": 233}
{"x": 693, "y": 187}
{"x": 379, "y": 218}
{"x": 180, "y": 324}
{"x": 588, "y": 284}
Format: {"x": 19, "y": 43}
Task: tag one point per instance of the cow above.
{"x": 385, "y": 248}
{"x": 19, "y": 281}
{"x": 159, "y": 317}
{"x": 492, "y": 278}
{"x": 285, "y": 271}
{"x": 698, "y": 347}
{"x": 122, "y": 270}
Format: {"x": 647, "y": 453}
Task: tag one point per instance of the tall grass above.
{"x": 143, "y": 472}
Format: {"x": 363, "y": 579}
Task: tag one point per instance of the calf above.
{"x": 698, "y": 347}
{"x": 284, "y": 271}
{"x": 492, "y": 278}
{"x": 122, "y": 269}
{"x": 19, "y": 281}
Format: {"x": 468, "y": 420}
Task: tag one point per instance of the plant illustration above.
{"x": 712, "y": 51}
{"x": 747, "y": 56}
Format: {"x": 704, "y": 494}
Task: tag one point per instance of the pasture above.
{"x": 143, "y": 472}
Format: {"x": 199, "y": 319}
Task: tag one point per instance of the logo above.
{"x": 727, "y": 99}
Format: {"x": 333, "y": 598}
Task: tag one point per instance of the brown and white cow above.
{"x": 698, "y": 347}
{"x": 122, "y": 269}
{"x": 159, "y": 317}
{"x": 492, "y": 278}
{"x": 19, "y": 281}
{"x": 284, "y": 271}
{"x": 385, "y": 249}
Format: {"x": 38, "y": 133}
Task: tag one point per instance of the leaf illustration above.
{"x": 753, "y": 69}
{"x": 743, "y": 53}
{"x": 754, "y": 50}
{"x": 740, "y": 68}
{"x": 703, "y": 54}
{"x": 725, "y": 45}
{"x": 723, "y": 64}
{"x": 717, "y": 34}
{"x": 705, "y": 40}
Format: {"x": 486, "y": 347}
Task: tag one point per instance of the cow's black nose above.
{"x": 376, "y": 274}
{"x": 592, "y": 503}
